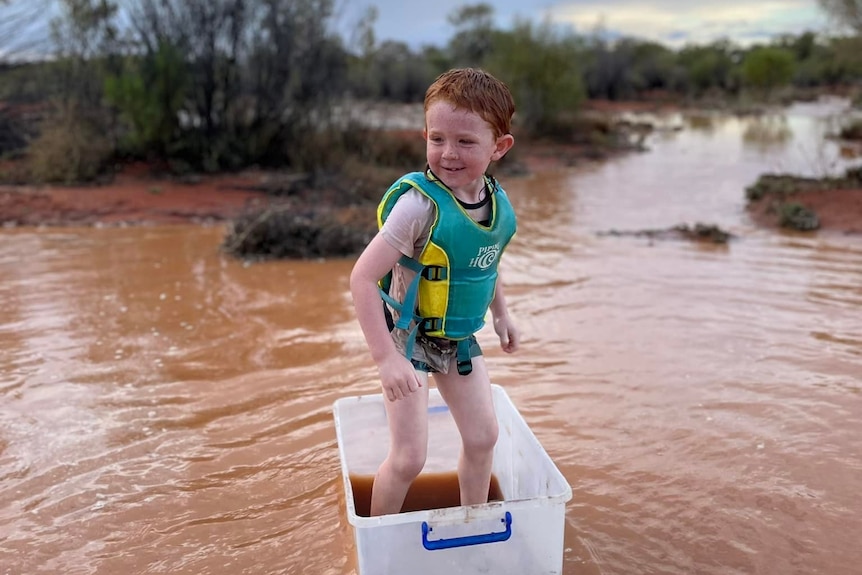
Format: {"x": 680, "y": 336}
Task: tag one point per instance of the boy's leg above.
{"x": 408, "y": 447}
{"x": 472, "y": 406}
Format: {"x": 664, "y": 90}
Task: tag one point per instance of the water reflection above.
{"x": 766, "y": 132}
{"x": 702, "y": 121}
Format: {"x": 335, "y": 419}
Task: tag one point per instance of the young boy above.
{"x": 434, "y": 262}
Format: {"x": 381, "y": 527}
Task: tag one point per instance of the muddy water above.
{"x": 165, "y": 409}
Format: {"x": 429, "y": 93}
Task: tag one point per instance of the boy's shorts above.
{"x": 430, "y": 354}
{"x": 435, "y": 355}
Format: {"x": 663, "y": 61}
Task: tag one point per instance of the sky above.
{"x": 670, "y": 22}
{"x": 673, "y": 23}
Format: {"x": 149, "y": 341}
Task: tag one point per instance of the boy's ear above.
{"x": 425, "y": 134}
{"x": 503, "y": 145}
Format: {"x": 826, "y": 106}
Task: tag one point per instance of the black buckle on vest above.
{"x": 465, "y": 367}
{"x": 430, "y": 324}
{"x": 464, "y": 361}
{"x": 435, "y": 273}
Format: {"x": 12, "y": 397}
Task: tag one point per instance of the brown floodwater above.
{"x": 167, "y": 409}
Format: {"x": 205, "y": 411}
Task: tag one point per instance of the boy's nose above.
{"x": 450, "y": 153}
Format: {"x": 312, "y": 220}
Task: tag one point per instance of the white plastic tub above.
{"x": 523, "y": 534}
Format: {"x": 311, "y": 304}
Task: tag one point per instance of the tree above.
{"x": 401, "y": 76}
{"x": 84, "y": 36}
{"x": 261, "y": 73}
{"x": 627, "y": 67}
{"x": 540, "y": 67}
{"x": 364, "y": 41}
{"x": 846, "y": 13}
{"x": 802, "y": 46}
{"x": 295, "y": 69}
{"x": 653, "y": 67}
{"x": 150, "y": 95}
{"x": 605, "y": 69}
{"x": 710, "y": 67}
{"x": 767, "y": 68}
{"x": 364, "y": 37}
{"x": 474, "y": 26}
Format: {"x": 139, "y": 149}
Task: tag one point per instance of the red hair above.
{"x": 477, "y": 91}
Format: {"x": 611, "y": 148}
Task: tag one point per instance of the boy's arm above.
{"x": 503, "y": 324}
{"x": 397, "y": 375}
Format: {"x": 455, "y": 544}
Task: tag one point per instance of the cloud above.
{"x": 704, "y": 21}
{"x": 671, "y": 22}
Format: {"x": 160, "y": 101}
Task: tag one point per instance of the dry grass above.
{"x": 69, "y": 149}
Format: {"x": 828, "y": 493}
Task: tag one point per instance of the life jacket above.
{"x": 456, "y": 272}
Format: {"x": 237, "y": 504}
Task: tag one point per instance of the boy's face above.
{"x": 459, "y": 145}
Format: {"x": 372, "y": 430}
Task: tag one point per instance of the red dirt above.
{"x": 659, "y": 102}
{"x": 132, "y": 198}
{"x": 135, "y": 198}
{"x": 839, "y": 210}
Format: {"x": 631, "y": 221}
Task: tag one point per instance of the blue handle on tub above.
{"x": 468, "y": 540}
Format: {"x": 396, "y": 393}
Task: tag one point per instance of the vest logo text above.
{"x": 486, "y": 257}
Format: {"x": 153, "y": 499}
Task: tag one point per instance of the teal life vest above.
{"x": 456, "y": 271}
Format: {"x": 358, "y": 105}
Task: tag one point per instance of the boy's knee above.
{"x": 407, "y": 464}
{"x": 482, "y": 441}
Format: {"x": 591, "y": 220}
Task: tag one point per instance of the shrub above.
{"x": 150, "y": 98}
{"x": 70, "y": 148}
{"x": 852, "y": 131}
{"x": 798, "y": 217}
{"x": 767, "y": 68}
{"x": 540, "y": 67}
{"x": 288, "y": 231}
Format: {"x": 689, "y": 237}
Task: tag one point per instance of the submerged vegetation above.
{"x": 699, "y": 232}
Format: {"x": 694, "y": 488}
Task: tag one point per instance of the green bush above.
{"x": 709, "y": 68}
{"x": 540, "y": 67}
{"x": 149, "y": 96}
{"x": 767, "y": 68}
{"x": 798, "y": 217}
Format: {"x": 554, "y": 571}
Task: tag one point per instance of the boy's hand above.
{"x": 397, "y": 377}
{"x": 508, "y": 334}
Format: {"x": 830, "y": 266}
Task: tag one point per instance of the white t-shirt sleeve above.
{"x": 408, "y": 224}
